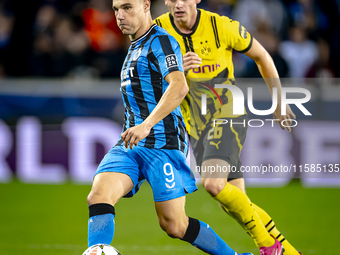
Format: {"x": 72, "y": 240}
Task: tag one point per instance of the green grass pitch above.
{"x": 52, "y": 219}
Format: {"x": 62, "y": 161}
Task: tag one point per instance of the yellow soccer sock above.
{"x": 271, "y": 228}
{"x": 237, "y": 204}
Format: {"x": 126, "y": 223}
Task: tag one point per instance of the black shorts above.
{"x": 222, "y": 142}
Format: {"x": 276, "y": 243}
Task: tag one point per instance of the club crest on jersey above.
{"x": 137, "y": 54}
{"x": 205, "y": 49}
{"x": 171, "y": 60}
{"x": 242, "y": 31}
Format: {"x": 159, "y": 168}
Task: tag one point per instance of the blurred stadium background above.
{"x": 61, "y": 110}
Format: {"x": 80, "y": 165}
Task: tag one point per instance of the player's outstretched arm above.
{"x": 170, "y": 100}
{"x": 269, "y": 73}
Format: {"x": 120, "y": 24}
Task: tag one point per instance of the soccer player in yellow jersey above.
{"x": 207, "y": 41}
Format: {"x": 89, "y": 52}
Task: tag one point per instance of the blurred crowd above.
{"x": 80, "y": 38}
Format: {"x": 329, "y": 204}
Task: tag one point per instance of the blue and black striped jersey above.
{"x": 150, "y": 58}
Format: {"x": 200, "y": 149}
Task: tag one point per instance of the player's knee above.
{"x": 96, "y": 197}
{"x": 92, "y": 198}
{"x": 173, "y": 228}
{"x": 213, "y": 185}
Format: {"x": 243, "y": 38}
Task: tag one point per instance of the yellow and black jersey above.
{"x": 213, "y": 39}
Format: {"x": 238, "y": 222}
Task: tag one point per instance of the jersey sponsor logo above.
{"x": 125, "y": 73}
{"x": 206, "y": 68}
{"x": 242, "y": 31}
{"x": 216, "y": 144}
{"x": 171, "y": 61}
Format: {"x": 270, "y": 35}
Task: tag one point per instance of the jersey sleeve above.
{"x": 165, "y": 53}
{"x": 237, "y": 36}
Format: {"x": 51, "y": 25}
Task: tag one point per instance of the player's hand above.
{"x": 134, "y": 135}
{"x": 190, "y": 61}
{"x": 289, "y": 115}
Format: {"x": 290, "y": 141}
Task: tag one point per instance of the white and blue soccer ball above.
{"x": 101, "y": 249}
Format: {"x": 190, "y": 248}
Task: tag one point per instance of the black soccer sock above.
{"x": 202, "y": 236}
{"x": 192, "y": 231}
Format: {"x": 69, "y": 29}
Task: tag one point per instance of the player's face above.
{"x": 129, "y": 15}
{"x": 182, "y": 10}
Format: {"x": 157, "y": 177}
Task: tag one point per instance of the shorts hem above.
{"x": 114, "y": 171}
{"x": 168, "y": 198}
{"x": 235, "y": 178}
{"x": 186, "y": 191}
{"x": 232, "y": 175}
{"x": 216, "y": 157}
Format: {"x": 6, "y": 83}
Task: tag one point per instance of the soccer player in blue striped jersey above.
{"x": 143, "y": 86}
{"x": 152, "y": 146}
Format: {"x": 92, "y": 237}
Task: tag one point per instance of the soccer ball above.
{"x": 101, "y": 249}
